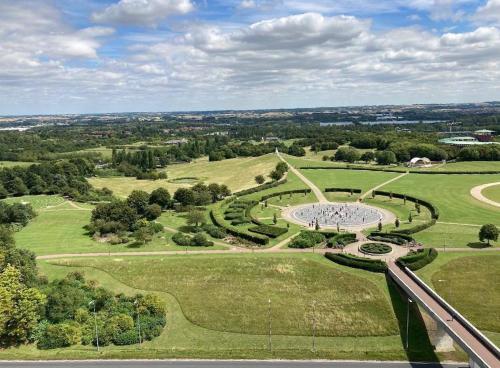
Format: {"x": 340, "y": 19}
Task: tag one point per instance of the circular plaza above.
{"x": 353, "y": 216}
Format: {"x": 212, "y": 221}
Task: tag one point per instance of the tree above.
{"x": 386, "y": 157}
{"x": 488, "y": 232}
{"x": 161, "y": 197}
{"x": 19, "y": 308}
{"x": 143, "y": 235}
{"x": 379, "y": 226}
{"x": 259, "y": 179}
{"x": 18, "y": 187}
{"x": 139, "y": 200}
{"x": 396, "y": 223}
{"x": 276, "y": 175}
{"x": 152, "y": 212}
{"x": 275, "y": 219}
{"x": 195, "y": 217}
{"x": 410, "y": 218}
{"x": 184, "y": 196}
{"x": 368, "y": 156}
{"x": 3, "y": 192}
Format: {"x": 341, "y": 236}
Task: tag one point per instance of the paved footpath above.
{"x": 222, "y": 364}
{"x": 476, "y": 193}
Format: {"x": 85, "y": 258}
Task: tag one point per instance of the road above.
{"x": 222, "y": 364}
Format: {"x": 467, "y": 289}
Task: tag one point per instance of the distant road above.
{"x": 220, "y": 364}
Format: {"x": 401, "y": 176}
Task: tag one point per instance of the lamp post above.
{"x": 136, "y": 303}
{"x": 408, "y": 324}
{"x": 92, "y": 302}
{"x": 270, "y": 343}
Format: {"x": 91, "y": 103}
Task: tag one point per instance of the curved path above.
{"x": 476, "y": 193}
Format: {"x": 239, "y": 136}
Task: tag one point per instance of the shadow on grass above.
{"x": 478, "y": 245}
{"x": 420, "y": 348}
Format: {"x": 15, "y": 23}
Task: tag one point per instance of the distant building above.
{"x": 464, "y": 141}
{"x": 271, "y": 139}
{"x": 484, "y": 135}
{"x": 176, "y": 142}
{"x": 419, "y": 162}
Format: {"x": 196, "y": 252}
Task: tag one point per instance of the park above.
{"x": 269, "y": 263}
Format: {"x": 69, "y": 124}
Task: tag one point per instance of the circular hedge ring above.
{"x": 376, "y": 248}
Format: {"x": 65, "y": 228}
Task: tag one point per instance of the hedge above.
{"x": 402, "y": 170}
{"x": 277, "y": 194}
{"x": 341, "y": 239}
{"x": 218, "y": 220}
{"x": 270, "y": 231}
{"x": 394, "y": 238}
{"x": 417, "y": 228}
{"x": 259, "y": 188}
{"x": 418, "y": 259}
{"x": 373, "y": 265}
{"x": 348, "y": 190}
{"x": 432, "y": 209}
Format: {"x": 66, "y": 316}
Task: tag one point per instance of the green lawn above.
{"x": 122, "y": 186}
{"x": 469, "y": 282}
{"x": 14, "y": 163}
{"x": 363, "y": 180}
{"x": 207, "y": 291}
{"x": 38, "y": 202}
{"x": 492, "y": 193}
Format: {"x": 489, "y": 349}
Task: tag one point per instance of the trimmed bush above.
{"x": 373, "y": 265}
{"x": 394, "y": 238}
{"x": 218, "y": 220}
{"x": 418, "y": 259}
{"x": 270, "y": 231}
{"x": 181, "y": 239}
{"x": 376, "y": 248}
{"x": 233, "y": 215}
{"x": 260, "y": 188}
{"x": 214, "y": 231}
{"x": 277, "y": 194}
{"x": 346, "y": 190}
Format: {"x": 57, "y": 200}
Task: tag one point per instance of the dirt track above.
{"x": 476, "y": 193}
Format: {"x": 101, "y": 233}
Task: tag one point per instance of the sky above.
{"x": 95, "y": 56}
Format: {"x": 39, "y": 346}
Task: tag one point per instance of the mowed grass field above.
{"x": 237, "y": 174}
{"x": 492, "y": 193}
{"x": 184, "y": 339}
{"x": 4, "y": 164}
{"x": 469, "y": 282}
{"x": 58, "y": 228}
{"x": 230, "y": 293}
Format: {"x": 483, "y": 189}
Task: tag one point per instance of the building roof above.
{"x": 464, "y": 141}
{"x": 484, "y": 131}
{"x": 414, "y": 160}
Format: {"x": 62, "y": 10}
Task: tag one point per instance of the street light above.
{"x": 92, "y": 302}
{"x": 136, "y": 303}
{"x": 408, "y": 323}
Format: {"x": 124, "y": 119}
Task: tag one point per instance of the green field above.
{"x": 468, "y": 281}
{"x": 236, "y": 299}
{"x": 492, "y": 193}
{"x": 14, "y": 163}
{"x": 237, "y": 174}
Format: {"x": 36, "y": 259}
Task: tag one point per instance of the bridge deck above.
{"x": 449, "y": 323}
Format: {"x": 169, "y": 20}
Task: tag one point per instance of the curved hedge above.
{"x": 218, "y": 219}
{"x": 415, "y": 229}
{"x": 343, "y": 190}
{"x": 373, "y": 265}
{"x": 341, "y": 239}
{"x": 418, "y": 259}
{"x": 394, "y": 238}
{"x": 277, "y": 194}
{"x": 269, "y": 230}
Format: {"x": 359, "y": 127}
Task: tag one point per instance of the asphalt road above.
{"x": 221, "y": 364}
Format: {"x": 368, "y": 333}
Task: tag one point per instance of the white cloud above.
{"x": 142, "y": 12}
{"x": 490, "y": 12}
{"x": 247, "y": 4}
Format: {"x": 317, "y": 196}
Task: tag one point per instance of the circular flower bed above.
{"x": 376, "y": 248}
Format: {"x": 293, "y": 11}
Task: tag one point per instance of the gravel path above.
{"x": 476, "y": 193}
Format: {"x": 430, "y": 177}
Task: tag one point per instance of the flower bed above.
{"x": 375, "y": 248}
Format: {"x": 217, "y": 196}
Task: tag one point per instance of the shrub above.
{"x": 417, "y": 260}
{"x": 219, "y": 221}
{"x": 214, "y": 231}
{"x": 233, "y": 215}
{"x": 128, "y": 337}
{"x": 200, "y": 240}
{"x": 307, "y": 239}
{"x": 240, "y": 221}
{"x": 341, "y": 240}
{"x": 395, "y": 238}
{"x": 271, "y": 231}
{"x": 376, "y": 248}
{"x": 260, "y": 188}
{"x": 59, "y": 336}
{"x": 347, "y": 190}
{"x": 373, "y": 265}
{"x": 181, "y": 239}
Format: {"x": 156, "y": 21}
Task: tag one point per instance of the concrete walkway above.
{"x": 476, "y": 193}
{"x": 369, "y": 191}
{"x": 317, "y": 192}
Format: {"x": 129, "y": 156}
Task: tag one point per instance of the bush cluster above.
{"x": 307, "y": 239}
{"x": 373, "y": 265}
{"x": 394, "y": 238}
{"x": 198, "y": 240}
{"x": 16, "y": 213}
{"x": 69, "y": 317}
{"x": 214, "y": 231}
{"x": 269, "y": 230}
{"x": 341, "y": 240}
{"x": 416, "y": 260}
